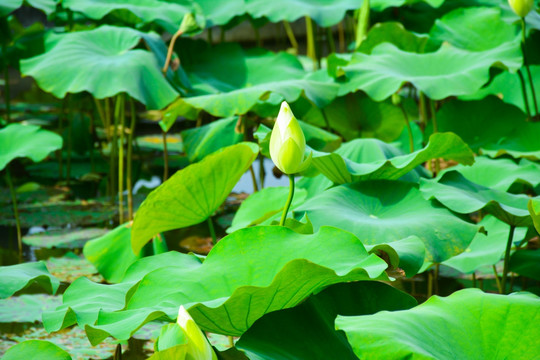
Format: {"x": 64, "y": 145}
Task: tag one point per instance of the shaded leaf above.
{"x": 18, "y": 277}
{"x": 31, "y": 141}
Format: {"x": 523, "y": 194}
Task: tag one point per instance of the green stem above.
{"x": 212, "y": 231}
{"x": 497, "y": 280}
{"x": 311, "y": 42}
{"x": 330, "y": 38}
{"x": 422, "y": 108}
{"x": 289, "y": 200}
{"x": 363, "y": 24}
{"x": 262, "y": 172}
{"x": 15, "y": 210}
{"x": 409, "y": 129}
{"x": 165, "y": 157}
{"x": 121, "y": 161}
{"x": 290, "y": 35}
{"x": 253, "y": 179}
{"x": 130, "y": 159}
{"x": 474, "y": 279}
{"x": 435, "y": 129}
{"x": 6, "y": 85}
{"x": 507, "y": 258}
{"x": 70, "y": 119}
{"x": 258, "y": 40}
{"x": 209, "y": 33}
{"x": 524, "y": 92}
{"x": 341, "y": 36}
{"x": 436, "y": 279}
{"x": 222, "y": 36}
{"x": 531, "y": 84}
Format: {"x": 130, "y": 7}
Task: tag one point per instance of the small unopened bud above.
{"x": 287, "y": 143}
{"x": 521, "y": 7}
{"x": 396, "y": 99}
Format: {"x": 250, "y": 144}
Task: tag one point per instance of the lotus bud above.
{"x": 198, "y": 347}
{"x": 396, "y": 99}
{"x": 287, "y": 143}
{"x": 521, "y": 7}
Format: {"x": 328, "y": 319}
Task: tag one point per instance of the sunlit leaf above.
{"x": 449, "y": 328}
{"x": 26, "y": 141}
{"x": 103, "y": 62}
{"x": 193, "y": 194}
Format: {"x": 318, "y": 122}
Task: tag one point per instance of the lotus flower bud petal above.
{"x": 198, "y": 346}
{"x": 521, "y": 7}
{"x": 287, "y": 142}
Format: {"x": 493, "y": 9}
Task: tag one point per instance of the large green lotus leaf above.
{"x": 36, "y": 350}
{"x": 359, "y": 151}
{"x": 31, "y": 141}
{"x": 192, "y": 194}
{"x": 172, "y": 258}
{"x": 526, "y": 263}
{"x": 460, "y": 195}
{"x": 218, "y": 12}
{"x": 63, "y": 238}
{"x": 204, "y": 140}
{"x": 14, "y": 278}
{"x": 467, "y": 324}
{"x": 82, "y": 302}
{"x": 268, "y": 268}
{"x": 479, "y": 123}
{"x": 406, "y": 254}
{"x": 8, "y": 6}
{"x": 382, "y": 211}
{"x": 26, "y": 308}
{"x": 499, "y": 174}
{"x": 307, "y": 331}
{"x": 341, "y": 170}
{"x": 170, "y": 14}
{"x": 111, "y": 253}
{"x": 84, "y": 299}
{"x": 534, "y": 210}
{"x": 447, "y": 72}
{"x": 475, "y": 29}
{"x": 507, "y": 86}
{"x": 485, "y": 249}
{"x": 324, "y": 12}
{"x": 522, "y": 142}
{"x": 229, "y": 81}
{"x": 103, "y": 62}
{"x": 356, "y": 115}
{"x": 263, "y": 205}
{"x": 395, "y": 33}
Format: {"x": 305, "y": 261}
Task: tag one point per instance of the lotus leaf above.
{"x": 31, "y": 141}
{"x": 35, "y": 350}
{"x": 103, "y": 62}
{"x": 193, "y": 194}
{"x": 378, "y": 216}
{"x": 18, "y": 277}
{"x": 447, "y": 72}
{"x": 448, "y": 328}
{"x": 465, "y": 197}
{"x": 256, "y": 282}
